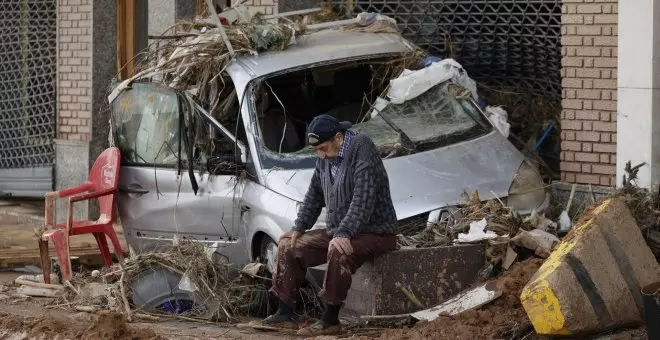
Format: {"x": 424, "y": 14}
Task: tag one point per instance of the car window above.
{"x": 284, "y": 105}
{"x": 147, "y": 128}
{"x": 209, "y": 141}
{"x": 146, "y": 124}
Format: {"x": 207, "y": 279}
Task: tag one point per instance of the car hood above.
{"x": 432, "y": 179}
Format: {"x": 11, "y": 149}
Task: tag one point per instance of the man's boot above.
{"x": 284, "y": 317}
{"x": 328, "y": 324}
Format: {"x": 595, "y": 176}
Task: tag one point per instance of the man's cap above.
{"x": 324, "y": 127}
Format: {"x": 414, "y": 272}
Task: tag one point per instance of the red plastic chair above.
{"x": 102, "y": 185}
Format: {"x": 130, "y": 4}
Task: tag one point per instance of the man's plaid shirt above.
{"x": 334, "y": 167}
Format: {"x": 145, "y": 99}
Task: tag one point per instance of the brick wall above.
{"x": 589, "y": 80}
{"x": 74, "y": 70}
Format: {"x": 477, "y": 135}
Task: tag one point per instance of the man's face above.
{"x": 330, "y": 148}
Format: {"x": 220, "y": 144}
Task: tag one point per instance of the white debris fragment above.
{"x": 252, "y": 269}
{"x": 367, "y": 18}
{"x": 37, "y": 292}
{"x": 565, "y": 223}
{"x": 539, "y": 241}
{"x": 411, "y": 84}
{"x": 539, "y": 221}
{"x": 471, "y": 299}
{"x": 510, "y": 257}
{"x": 476, "y": 233}
{"x": 39, "y": 278}
{"x": 121, "y": 87}
{"x": 186, "y": 284}
{"x": 379, "y": 105}
{"x": 498, "y": 117}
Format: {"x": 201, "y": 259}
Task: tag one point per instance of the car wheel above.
{"x": 268, "y": 253}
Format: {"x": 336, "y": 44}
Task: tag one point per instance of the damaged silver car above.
{"x": 233, "y": 173}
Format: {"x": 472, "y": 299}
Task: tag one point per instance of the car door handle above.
{"x": 133, "y": 189}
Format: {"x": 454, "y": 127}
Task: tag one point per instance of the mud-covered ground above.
{"x": 38, "y": 318}
{"x": 504, "y": 318}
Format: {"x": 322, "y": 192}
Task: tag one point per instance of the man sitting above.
{"x": 350, "y": 180}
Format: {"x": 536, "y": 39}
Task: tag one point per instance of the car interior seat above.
{"x": 274, "y": 124}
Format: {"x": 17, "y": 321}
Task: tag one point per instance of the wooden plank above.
{"x": 44, "y": 260}
{"x": 13, "y": 257}
{"x": 19, "y": 246}
{"x": 126, "y": 37}
{"x": 131, "y": 41}
{"x": 201, "y": 8}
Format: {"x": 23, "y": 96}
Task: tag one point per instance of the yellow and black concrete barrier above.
{"x": 592, "y": 280}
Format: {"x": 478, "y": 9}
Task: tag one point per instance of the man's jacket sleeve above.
{"x": 363, "y": 200}
{"x": 312, "y": 204}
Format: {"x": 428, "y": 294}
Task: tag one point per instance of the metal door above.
{"x": 27, "y": 96}
{"x": 502, "y": 43}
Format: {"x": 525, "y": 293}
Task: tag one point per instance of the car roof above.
{"x": 325, "y": 45}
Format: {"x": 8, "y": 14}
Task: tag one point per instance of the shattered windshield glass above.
{"x": 146, "y": 125}
{"x": 384, "y": 136}
{"x": 436, "y": 118}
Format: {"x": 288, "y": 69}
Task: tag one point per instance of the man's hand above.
{"x": 342, "y": 244}
{"x": 293, "y": 235}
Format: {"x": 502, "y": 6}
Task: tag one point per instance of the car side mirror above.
{"x": 223, "y": 165}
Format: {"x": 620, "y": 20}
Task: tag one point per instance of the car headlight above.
{"x": 527, "y": 191}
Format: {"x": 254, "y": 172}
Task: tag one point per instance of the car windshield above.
{"x": 437, "y": 118}
{"x": 383, "y": 135}
{"x": 433, "y": 119}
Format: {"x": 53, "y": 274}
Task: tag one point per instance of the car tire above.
{"x": 154, "y": 288}
{"x": 268, "y": 253}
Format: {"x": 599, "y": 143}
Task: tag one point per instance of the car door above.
{"x": 157, "y": 198}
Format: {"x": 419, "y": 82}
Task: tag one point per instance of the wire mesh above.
{"x": 514, "y": 44}
{"x": 27, "y": 82}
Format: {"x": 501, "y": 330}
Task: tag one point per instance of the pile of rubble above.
{"x": 590, "y": 281}
{"x": 488, "y": 221}
{"x": 503, "y": 318}
{"x": 603, "y": 275}
{"x": 201, "y": 288}
{"x": 197, "y": 287}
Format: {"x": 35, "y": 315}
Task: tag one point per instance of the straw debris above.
{"x": 218, "y": 294}
{"x": 196, "y": 56}
{"x": 500, "y": 219}
{"x": 644, "y": 204}
{"x": 218, "y": 297}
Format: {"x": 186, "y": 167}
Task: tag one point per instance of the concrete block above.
{"x": 433, "y": 274}
{"x": 592, "y": 281}
{"x": 71, "y": 169}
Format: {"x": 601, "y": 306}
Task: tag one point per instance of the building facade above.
{"x": 589, "y": 91}
{"x": 54, "y": 119}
